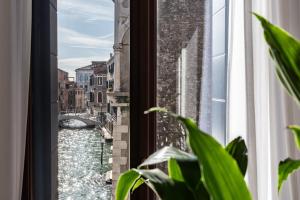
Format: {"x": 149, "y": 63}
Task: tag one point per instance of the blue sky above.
{"x": 85, "y": 32}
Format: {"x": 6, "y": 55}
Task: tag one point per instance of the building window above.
{"x": 92, "y": 97}
{"x": 91, "y": 80}
{"x": 100, "y": 80}
{"x": 100, "y": 97}
{"x": 111, "y": 68}
{"x": 191, "y": 68}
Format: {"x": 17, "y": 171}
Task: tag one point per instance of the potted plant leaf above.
{"x": 209, "y": 171}
{"x": 285, "y": 50}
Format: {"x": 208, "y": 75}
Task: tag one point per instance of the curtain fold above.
{"x": 15, "y": 42}
{"x": 268, "y": 107}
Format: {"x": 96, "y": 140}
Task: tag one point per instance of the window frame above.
{"x": 98, "y": 97}
{"x": 142, "y": 85}
{"x": 99, "y": 83}
{"x": 40, "y": 176}
{"x": 38, "y": 173}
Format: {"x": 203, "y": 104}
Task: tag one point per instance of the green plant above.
{"x": 210, "y": 171}
{"x": 285, "y": 50}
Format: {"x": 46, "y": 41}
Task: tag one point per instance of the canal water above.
{"x": 80, "y": 173}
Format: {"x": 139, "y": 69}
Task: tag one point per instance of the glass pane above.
{"x": 93, "y": 90}
{"x": 192, "y": 69}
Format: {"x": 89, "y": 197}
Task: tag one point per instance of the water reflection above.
{"x": 80, "y": 173}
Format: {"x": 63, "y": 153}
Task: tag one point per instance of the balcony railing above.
{"x": 111, "y": 117}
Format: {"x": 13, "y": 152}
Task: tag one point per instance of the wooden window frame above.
{"x": 38, "y": 173}
{"x": 142, "y": 85}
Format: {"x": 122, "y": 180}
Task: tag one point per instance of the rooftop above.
{"x": 62, "y": 70}
{"x": 92, "y": 66}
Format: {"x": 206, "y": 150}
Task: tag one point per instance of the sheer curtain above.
{"x": 15, "y": 41}
{"x": 267, "y": 109}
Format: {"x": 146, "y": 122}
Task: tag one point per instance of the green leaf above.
{"x": 165, "y": 187}
{"x": 222, "y": 176}
{"x": 174, "y": 170}
{"x": 220, "y": 171}
{"x": 126, "y": 181}
{"x": 296, "y": 131}
{"x": 188, "y": 164}
{"x": 190, "y": 171}
{"x": 286, "y": 168}
{"x": 238, "y": 150}
{"x": 156, "y": 109}
{"x": 140, "y": 181}
{"x": 165, "y": 154}
{"x": 285, "y": 50}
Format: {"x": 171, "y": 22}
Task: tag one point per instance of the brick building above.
{"x": 98, "y": 88}
{"x": 118, "y": 89}
{"x": 62, "y": 90}
{"x": 76, "y": 98}
{"x": 180, "y": 41}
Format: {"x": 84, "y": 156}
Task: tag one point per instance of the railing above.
{"x": 114, "y": 117}
{"x": 111, "y": 118}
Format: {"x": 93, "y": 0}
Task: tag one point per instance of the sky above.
{"x": 85, "y": 32}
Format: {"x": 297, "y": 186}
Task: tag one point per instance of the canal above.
{"x": 80, "y": 173}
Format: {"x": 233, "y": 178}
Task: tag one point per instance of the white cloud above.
{"x": 76, "y": 13}
{"x": 90, "y": 10}
{"x": 73, "y": 38}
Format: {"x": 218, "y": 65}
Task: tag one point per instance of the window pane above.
{"x": 93, "y": 139}
{"x": 192, "y": 69}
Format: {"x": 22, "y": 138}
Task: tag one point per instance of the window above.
{"x": 92, "y": 97}
{"x": 92, "y": 40}
{"x": 180, "y": 77}
{"x": 100, "y": 97}
{"x": 180, "y": 29}
{"x": 111, "y": 68}
{"x": 100, "y": 80}
{"x": 191, "y": 67}
{"x": 91, "y": 80}
{"x": 219, "y": 69}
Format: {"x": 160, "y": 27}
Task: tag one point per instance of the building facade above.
{"x": 180, "y": 75}
{"x": 83, "y": 80}
{"x": 62, "y": 90}
{"x": 118, "y": 90}
{"x": 98, "y": 96}
{"x": 83, "y": 76}
{"x": 76, "y": 98}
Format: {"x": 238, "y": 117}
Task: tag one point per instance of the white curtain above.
{"x": 15, "y": 41}
{"x": 267, "y": 109}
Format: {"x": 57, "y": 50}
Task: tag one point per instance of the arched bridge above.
{"x": 89, "y": 123}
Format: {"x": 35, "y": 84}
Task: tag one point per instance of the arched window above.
{"x": 100, "y": 97}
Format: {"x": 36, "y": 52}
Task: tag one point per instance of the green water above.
{"x": 80, "y": 173}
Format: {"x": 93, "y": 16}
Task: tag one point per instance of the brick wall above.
{"x": 180, "y": 26}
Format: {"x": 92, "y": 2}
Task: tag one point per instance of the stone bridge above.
{"x": 89, "y": 123}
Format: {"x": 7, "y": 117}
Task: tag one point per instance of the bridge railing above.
{"x": 111, "y": 118}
